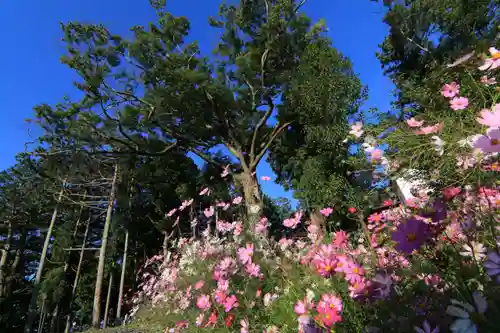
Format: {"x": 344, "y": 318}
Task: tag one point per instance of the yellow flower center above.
{"x": 494, "y": 142}
{"x": 355, "y": 270}
{"x": 328, "y": 268}
{"x": 496, "y": 55}
{"x": 411, "y": 237}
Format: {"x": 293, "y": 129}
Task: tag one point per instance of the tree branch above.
{"x": 276, "y": 131}
{"x": 261, "y": 123}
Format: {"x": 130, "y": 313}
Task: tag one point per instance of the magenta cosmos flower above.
{"x": 410, "y": 235}
{"x": 489, "y": 143}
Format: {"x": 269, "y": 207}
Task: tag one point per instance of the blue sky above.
{"x": 32, "y": 73}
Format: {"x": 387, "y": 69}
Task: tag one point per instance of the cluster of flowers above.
{"x": 372, "y": 267}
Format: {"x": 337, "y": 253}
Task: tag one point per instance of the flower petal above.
{"x": 480, "y": 301}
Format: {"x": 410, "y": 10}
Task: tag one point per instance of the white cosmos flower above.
{"x": 439, "y": 143}
{"x": 357, "y": 129}
{"x": 463, "y": 311}
{"x": 475, "y": 250}
{"x": 469, "y": 141}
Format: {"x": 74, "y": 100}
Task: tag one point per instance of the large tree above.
{"x": 162, "y": 92}
{"x": 312, "y": 157}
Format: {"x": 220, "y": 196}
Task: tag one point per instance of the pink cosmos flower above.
{"x": 340, "y": 239}
{"x": 488, "y": 81}
{"x": 237, "y": 228}
{"x": 492, "y": 62}
{"x": 353, "y": 272}
{"x": 223, "y": 285}
{"x": 352, "y": 210}
{"x": 237, "y": 200}
{"x": 412, "y": 122}
{"x": 204, "y": 191}
{"x": 209, "y": 212}
{"x": 265, "y": 178}
{"x": 489, "y": 143}
{"x": 450, "y": 192}
{"x": 376, "y": 218}
{"x": 225, "y": 172}
{"x": 450, "y": 90}
{"x": 245, "y": 254}
{"x": 212, "y": 319}
{"x": 172, "y": 212}
{"x": 285, "y": 243}
{"x": 291, "y": 223}
{"x": 261, "y": 226}
{"x": 490, "y": 118}
{"x": 186, "y": 203}
{"x": 220, "y": 296}
{"x": 325, "y": 261}
{"x": 245, "y": 326}
{"x": 359, "y": 288}
{"x": 199, "y": 319}
{"x": 459, "y": 103}
{"x": 203, "y": 302}
{"x": 326, "y": 211}
{"x": 230, "y": 303}
{"x": 300, "y": 308}
{"x": 376, "y": 154}
{"x": 329, "y": 309}
{"x": 330, "y": 301}
{"x": 253, "y": 269}
{"x": 198, "y": 285}
{"x": 429, "y": 129}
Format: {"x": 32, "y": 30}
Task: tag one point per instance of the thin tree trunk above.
{"x": 38, "y": 277}
{"x": 3, "y": 261}
{"x": 18, "y": 259}
{"x": 122, "y": 278}
{"x": 77, "y": 276}
{"x": 108, "y": 299}
{"x": 42, "y": 317}
{"x": 96, "y": 313}
{"x": 165, "y": 247}
{"x": 55, "y": 319}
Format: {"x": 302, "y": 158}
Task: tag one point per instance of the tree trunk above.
{"x": 251, "y": 194}
{"x": 18, "y": 262}
{"x": 108, "y": 299}
{"x": 42, "y": 317}
{"x": 3, "y": 262}
{"x": 122, "y": 278}
{"x": 54, "y": 320}
{"x": 77, "y": 276}
{"x": 96, "y": 313}
{"x": 38, "y": 277}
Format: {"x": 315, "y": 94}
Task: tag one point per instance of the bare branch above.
{"x": 302, "y": 3}
{"x": 276, "y": 131}
{"x": 261, "y": 123}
